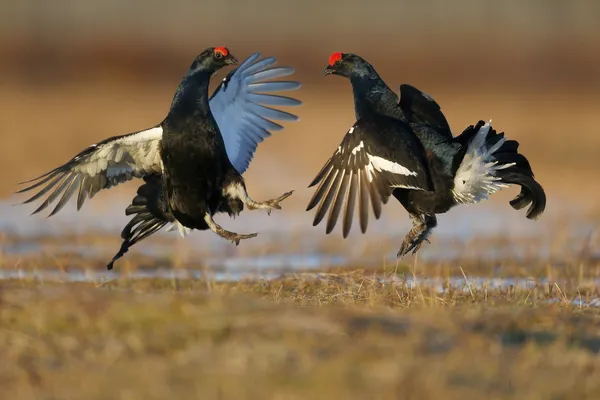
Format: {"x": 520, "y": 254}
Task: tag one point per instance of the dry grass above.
{"x": 349, "y": 333}
{"x": 344, "y": 336}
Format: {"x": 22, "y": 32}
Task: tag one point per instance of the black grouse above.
{"x": 192, "y": 162}
{"x": 405, "y": 148}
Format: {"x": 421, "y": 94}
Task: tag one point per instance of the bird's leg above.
{"x": 238, "y": 190}
{"x": 422, "y": 227}
{"x": 225, "y": 234}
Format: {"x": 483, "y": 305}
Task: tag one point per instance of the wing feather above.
{"x": 322, "y": 189}
{"x": 267, "y": 112}
{"x": 375, "y": 200}
{"x": 259, "y": 65}
{"x": 325, "y": 170}
{"x": 44, "y": 190}
{"x": 423, "y": 112}
{"x": 274, "y": 86}
{"x": 66, "y": 193}
{"x": 334, "y": 213}
{"x": 350, "y": 202}
{"x": 100, "y": 166}
{"x": 363, "y": 203}
{"x": 372, "y": 160}
{"x": 241, "y": 112}
{"x": 52, "y": 196}
{"x": 329, "y": 193}
{"x": 273, "y": 73}
{"x": 273, "y": 100}
{"x": 81, "y": 194}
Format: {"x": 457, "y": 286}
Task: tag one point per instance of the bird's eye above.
{"x": 218, "y": 56}
{"x": 337, "y": 63}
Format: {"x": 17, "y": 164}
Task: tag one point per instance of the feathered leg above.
{"x": 423, "y": 224}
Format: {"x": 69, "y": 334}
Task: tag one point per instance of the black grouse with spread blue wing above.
{"x": 192, "y": 162}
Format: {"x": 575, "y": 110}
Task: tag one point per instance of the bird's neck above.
{"x": 191, "y": 97}
{"x": 373, "y": 96}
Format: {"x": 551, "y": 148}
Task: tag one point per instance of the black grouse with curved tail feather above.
{"x": 405, "y": 148}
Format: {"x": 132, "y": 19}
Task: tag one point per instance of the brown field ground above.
{"x": 342, "y": 336}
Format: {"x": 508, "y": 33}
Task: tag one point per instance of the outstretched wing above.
{"x": 372, "y": 160}
{"x": 422, "y": 110}
{"x": 100, "y": 166}
{"x": 240, "y": 109}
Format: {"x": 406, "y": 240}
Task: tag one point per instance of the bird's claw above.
{"x": 272, "y": 204}
{"x": 412, "y": 241}
{"x": 232, "y": 236}
{"x": 407, "y": 247}
{"x": 237, "y": 237}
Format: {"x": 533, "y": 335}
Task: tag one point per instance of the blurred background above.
{"x": 75, "y": 72}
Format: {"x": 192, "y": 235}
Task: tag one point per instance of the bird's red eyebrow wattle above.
{"x": 335, "y": 57}
{"x": 222, "y": 50}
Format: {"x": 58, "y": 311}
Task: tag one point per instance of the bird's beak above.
{"x": 329, "y": 70}
{"x": 231, "y": 60}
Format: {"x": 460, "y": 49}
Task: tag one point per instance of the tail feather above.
{"x": 531, "y": 192}
{"x": 520, "y": 173}
{"x": 504, "y": 165}
{"x": 521, "y": 200}
{"x": 517, "y": 159}
{"x": 149, "y": 215}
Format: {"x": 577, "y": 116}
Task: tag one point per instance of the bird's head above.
{"x": 348, "y": 65}
{"x": 213, "y": 59}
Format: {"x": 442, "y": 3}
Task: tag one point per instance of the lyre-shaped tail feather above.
{"x": 491, "y": 162}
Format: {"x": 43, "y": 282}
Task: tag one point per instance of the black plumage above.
{"x": 192, "y": 162}
{"x": 350, "y": 167}
{"x": 405, "y": 148}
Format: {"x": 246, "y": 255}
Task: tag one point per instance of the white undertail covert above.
{"x": 183, "y": 230}
{"x": 476, "y": 176}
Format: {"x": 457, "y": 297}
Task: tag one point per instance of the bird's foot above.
{"x": 413, "y": 241}
{"x": 270, "y": 204}
{"x": 232, "y": 236}
{"x": 225, "y": 234}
